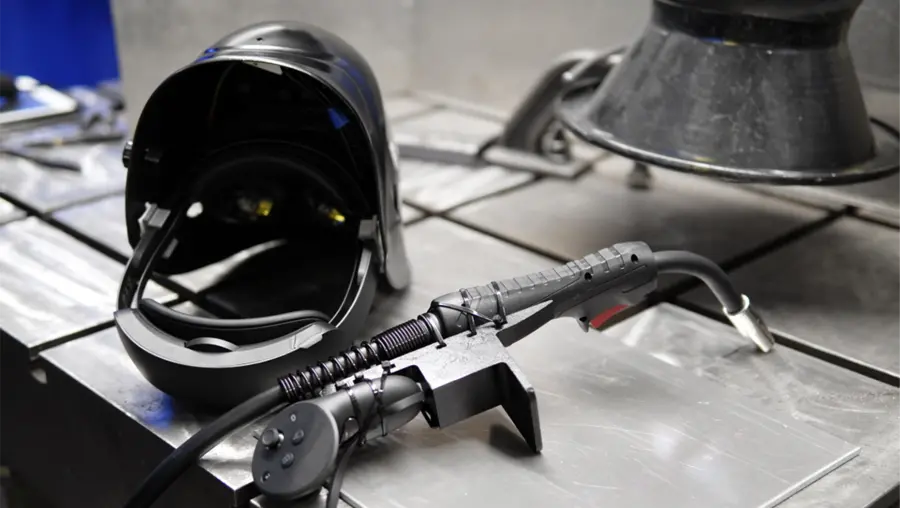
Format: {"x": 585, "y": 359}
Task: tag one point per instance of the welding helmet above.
{"x": 274, "y": 135}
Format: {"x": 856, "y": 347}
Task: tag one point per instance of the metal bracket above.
{"x": 472, "y": 374}
{"x": 532, "y": 139}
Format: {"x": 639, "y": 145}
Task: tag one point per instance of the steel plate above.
{"x": 48, "y": 189}
{"x": 680, "y": 211}
{"x": 832, "y": 399}
{"x": 836, "y": 289}
{"x": 53, "y": 286}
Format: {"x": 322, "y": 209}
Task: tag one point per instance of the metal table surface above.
{"x": 82, "y": 389}
{"x": 152, "y": 421}
{"x": 47, "y": 189}
{"x": 567, "y": 220}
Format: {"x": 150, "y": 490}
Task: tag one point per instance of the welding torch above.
{"x": 590, "y": 290}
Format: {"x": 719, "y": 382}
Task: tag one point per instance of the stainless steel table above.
{"x": 108, "y": 423}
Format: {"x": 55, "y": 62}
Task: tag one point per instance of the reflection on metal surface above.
{"x": 51, "y": 189}
{"x": 438, "y": 187}
{"x": 836, "y": 289}
{"x": 53, "y": 286}
{"x": 830, "y": 398}
{"x": 8, "y": 212}
{"x": 710, "y": 218}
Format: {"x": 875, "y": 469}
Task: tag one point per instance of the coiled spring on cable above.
{"x": 387, "y": 345}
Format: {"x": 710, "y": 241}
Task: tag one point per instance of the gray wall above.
{"x": 481, "y": 51}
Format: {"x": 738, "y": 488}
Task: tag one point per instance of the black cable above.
{"x": 191, "y": 450}
{"x": 676, "y": 261}
{"x": 358, "y": 440}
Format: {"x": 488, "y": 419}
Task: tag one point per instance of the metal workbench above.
{"x": 824, "y": 272}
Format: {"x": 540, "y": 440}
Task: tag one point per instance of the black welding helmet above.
{"x": 274, "y": 135}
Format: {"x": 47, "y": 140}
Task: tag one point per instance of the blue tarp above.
{"x": 58, "y": 42}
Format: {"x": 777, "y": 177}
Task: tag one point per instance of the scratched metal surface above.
{"x": 832, "y": 399}
{"x": 9, "y": 212}
{"x": 569, "y": 220}
{"x": 836, "y": 289}
{"x": 48, "y": 189}
{"x": 52, "y": 286}
{"x": 620, "y": 428}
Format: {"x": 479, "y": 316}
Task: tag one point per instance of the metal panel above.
{"x": 48, "y": 189}
{"x": 492, "y": 52}
{"x": 836, "y": 289}
{"x": 54, "y": 286}
{"x": 439, "y": 186}
{"x": 154, "y": 40}
{"x": 450, "y": 130}
{"x": 8, "y": 212}
{"x": 679, "y": 212}
{"x": 835, "y": 400}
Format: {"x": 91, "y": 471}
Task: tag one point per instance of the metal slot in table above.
{"x": 569, "y": 220}
{"x": 836, "y": 289}
{"x": 48, "y": 189}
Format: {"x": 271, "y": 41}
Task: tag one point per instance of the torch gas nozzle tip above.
{"x": 750, "y": 325}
